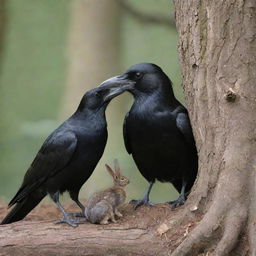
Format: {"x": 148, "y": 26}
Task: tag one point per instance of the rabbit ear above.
{"x": 117, "y": 167}
{"x": 111, "y": 172}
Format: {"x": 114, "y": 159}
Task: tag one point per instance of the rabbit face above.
{"x": 121, "y": 181}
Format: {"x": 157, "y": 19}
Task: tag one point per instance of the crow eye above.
{"x": 137, "y": 75}
{"x": 98, "y": 94}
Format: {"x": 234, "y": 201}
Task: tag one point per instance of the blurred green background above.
{"x": 55, "y": 50}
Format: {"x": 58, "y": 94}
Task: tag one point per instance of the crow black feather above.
{"x": 67, "y": 158}
{"x": 157, "y": 131}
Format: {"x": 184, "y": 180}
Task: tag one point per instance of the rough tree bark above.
{"x": 80, "y": 241}
{"x": 137, "y": 233}
{"x": 218, "y": 60}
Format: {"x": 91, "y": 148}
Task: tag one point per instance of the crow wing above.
{"x": 53, "y": 156}
{"x": 184, "y": 126}
{"x": 126, "y": 135}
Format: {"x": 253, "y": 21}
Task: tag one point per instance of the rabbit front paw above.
{"x": 119, "y": 214}
{"x": 105, "y": 221}
{"x": 113, "y": 218}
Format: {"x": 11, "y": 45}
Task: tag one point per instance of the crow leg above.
{"x": 181, "y": 199}
{"x": 74, "y": 197}
{"x": 66, "y": 219}
{"x": 145, "y": 199}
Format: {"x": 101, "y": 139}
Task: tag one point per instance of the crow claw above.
{"x": 176, "y": 203}
{"x": 138, "y": 203}
{"x": 70, "y": 222}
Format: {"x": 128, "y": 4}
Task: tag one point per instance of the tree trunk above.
{"x": 93, "y": 48}
{"x": 218, "y": 59}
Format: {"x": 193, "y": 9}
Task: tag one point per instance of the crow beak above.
{"x": 116, "y": 86}
{"x": 114, "y": 91}
{"x": 118, "y": 81}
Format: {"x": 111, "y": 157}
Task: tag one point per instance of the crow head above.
{"x": 143, "y": 78}
{"x": 100, "y": 97}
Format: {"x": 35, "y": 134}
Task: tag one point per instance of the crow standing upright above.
{"x": 157, "y": 131}
{"x": 67, "y": 158}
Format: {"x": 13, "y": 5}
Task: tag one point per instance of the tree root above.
{"x": 217, "y": 232}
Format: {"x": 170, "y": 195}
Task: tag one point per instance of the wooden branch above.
{"x": 141, "y": 232}
{"x": 46, "y": 238}
{"x": 143, "y": 17}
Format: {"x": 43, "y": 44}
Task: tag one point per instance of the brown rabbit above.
{"x": 103, "y": 205}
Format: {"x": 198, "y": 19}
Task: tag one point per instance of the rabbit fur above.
{"x": 103, "y": 205}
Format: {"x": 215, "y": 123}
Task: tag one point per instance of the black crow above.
{"x": 67, "y": 158}
{"x": 157, "y": 130}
